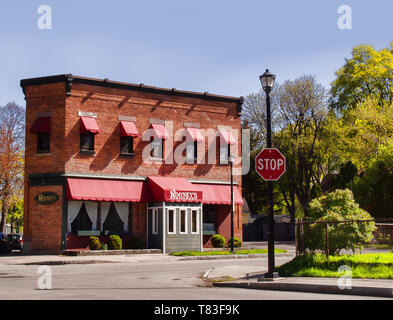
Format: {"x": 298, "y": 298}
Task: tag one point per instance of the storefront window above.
{"x": 183, "y": 221}
{"x": 82, "y": 221}
{"x": 113, "y": 223}
{"x": 209, "y": 219}
{"x": 171, "y": 221}
{"x": 194, "y": 221}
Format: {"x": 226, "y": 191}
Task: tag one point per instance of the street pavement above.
{"x": 150, "y": 276}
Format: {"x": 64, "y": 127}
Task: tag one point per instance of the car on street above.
{"x": 15, "y": 242}
{"x": 3, "y": 243}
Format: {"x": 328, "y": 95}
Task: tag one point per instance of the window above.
{"x": 157, "y": 148}
{"x": 171, "y": 221}
{"x": 194, "y": 221}
{"x": 183, "y": 221}
{"x": 113, "y": 223}
{"x": 82, "y": 221}
{"x": 126, "y": 145}
{"x": 154, "y": 221}
{"x": 43, "y": 143}
{"x": 87, "y": 143}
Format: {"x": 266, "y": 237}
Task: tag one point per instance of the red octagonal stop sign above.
{"x": 270, "y": 164}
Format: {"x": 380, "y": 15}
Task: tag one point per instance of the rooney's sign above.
{"x": 47, "y": 197}
{"x": 183, "y": 196}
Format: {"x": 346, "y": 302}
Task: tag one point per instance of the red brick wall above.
{"x": 45, "y": 220}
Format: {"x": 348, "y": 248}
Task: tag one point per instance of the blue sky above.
{"x": 219, "y": 46}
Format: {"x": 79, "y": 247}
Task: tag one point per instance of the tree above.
{"x": 369, "y": 73}
{"x": 12, "y": 122}
{"x": 15, "y": 212}
{"x": 374, "y": 190}
{"x": 303, "y": 112}
{"x": 338, "y": 205}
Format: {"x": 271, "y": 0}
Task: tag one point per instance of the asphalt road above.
{"x": 159, "y": 280}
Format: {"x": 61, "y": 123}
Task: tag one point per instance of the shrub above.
{"x": 135, "y": 243}
{"x": 115, "y": 242}
{"x": 94, "y": 243}
{"x": 338, "y": 205}
{"x": 236, "y": 242}
{"x": 103, "y": 246}
{"x": 218, "y": 241}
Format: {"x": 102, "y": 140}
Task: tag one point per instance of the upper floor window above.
{"x": 128, "y": 132}
{"x": 159, "y": 135}
{"x": 89, "y": 128}
{"x": 43, "y": 143}
{"x": 226, "y": 140}
{"x": 193, "y": 137}
{"x": 41, "y": 127}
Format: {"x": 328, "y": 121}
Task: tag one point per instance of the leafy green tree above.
{"x": 374, "y": 190}
{"x": 369, "y": 73}
{"x": 338, "y": 205}
{"x": 15, "y": 212}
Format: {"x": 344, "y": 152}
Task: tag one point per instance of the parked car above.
{"x": 15, "y": 242}
{"x": 3, "y": 243}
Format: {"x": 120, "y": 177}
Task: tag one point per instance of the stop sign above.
{"x": 270, "y": 164}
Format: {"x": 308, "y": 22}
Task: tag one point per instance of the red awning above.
{"x": 219, "y": 194}
{"x": 89, "y": 124}
{"x": 160, "y": 131}
{"x": 194, "y": 134}
{"x": 128, "y": 129}
{"x": 174, "y": 190}
{"x": 41, "y": 125}
{"x": 107, "y": 190}
{"x": 227, "y": 137}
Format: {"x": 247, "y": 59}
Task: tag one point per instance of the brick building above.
{"x": 106, "y": 157}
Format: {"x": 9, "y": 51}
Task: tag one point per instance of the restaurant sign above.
{"x": 47, "y": 197}
{"x": 186, "y": 196}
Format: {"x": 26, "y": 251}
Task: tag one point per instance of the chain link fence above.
{"x": 344, "y": 237}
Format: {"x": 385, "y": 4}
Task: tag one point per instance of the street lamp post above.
{"x": 230, "y": 158}
{"x": 267, "y": 81}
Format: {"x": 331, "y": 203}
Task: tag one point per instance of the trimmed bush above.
{"x": 115, "y": 242}
{"x": 218, "y": 241}
{"x": 94, "y": 243}
{"x": 103, "y": 246}
{"x": 135, "y": 243}
{"x": 236, "y": 242}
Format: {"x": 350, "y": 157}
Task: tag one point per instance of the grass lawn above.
{"x": 218, "y": 252}
{"x": 370, "y": 266}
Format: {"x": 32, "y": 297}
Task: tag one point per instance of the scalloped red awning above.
{"x": 107, "y": 190}
{"x": 219, "y": 193}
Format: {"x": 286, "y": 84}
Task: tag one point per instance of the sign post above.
{"x": 270, "y": 165}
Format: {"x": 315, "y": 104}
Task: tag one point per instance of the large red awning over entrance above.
{"x": 219, "y": 194}
{"x": 174, "y": 190}
{"x": 107, "y": 190}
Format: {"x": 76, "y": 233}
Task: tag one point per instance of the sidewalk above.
{"x": 248, "y": 277}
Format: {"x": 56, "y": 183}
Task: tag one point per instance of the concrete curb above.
{"x": 240, "y": 256}
{"x": 308, "y": 287}
{"x": 62, "y": 262}
{"x": 109, "y": 252}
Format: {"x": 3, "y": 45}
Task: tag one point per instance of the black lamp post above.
{"x": 230, "y": 159}
{"x": 267, "y": 81}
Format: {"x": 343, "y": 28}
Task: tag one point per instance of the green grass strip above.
{"x": 368, "y": 266}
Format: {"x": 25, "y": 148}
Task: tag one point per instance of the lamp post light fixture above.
{"x": 230, "y": 160}
{"x": 267, "y": 81}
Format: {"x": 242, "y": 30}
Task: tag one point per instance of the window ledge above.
{"x": 42, "y": 154}
{"x": 127, "y": 154}
{"x": 87, "y": 152}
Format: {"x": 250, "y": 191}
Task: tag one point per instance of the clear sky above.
{"x": 219, "y": 46}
